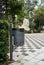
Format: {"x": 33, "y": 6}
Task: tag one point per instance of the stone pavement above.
{"x": 32, "y": 53}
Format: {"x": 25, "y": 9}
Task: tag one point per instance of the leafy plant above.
{"x": 4, "y": 40}
{"x": 39, "y": 17}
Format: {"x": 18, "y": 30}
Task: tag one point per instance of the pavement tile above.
{"x": 29, "y": 56}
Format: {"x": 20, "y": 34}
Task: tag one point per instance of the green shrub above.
{"x": 4, "y": 40}
{"x": 2, "y": 63}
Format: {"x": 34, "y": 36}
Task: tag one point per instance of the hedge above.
{"x": 4, "y": 40}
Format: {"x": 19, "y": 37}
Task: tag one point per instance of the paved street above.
{"x": 32, "y": 53}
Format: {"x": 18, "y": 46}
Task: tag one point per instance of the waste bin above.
{"x": 18, "y": 35}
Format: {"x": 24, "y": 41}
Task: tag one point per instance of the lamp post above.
{"x": 11, "y": 46}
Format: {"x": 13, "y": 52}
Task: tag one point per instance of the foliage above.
{"x": 13, "y": 6}
{"x": 4, "y": 40}
{"x": 22, "y": 15}
{"x": 39, "y": 17}
{"x": 2, "y": 63}
{"x": 32, "y": 25}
